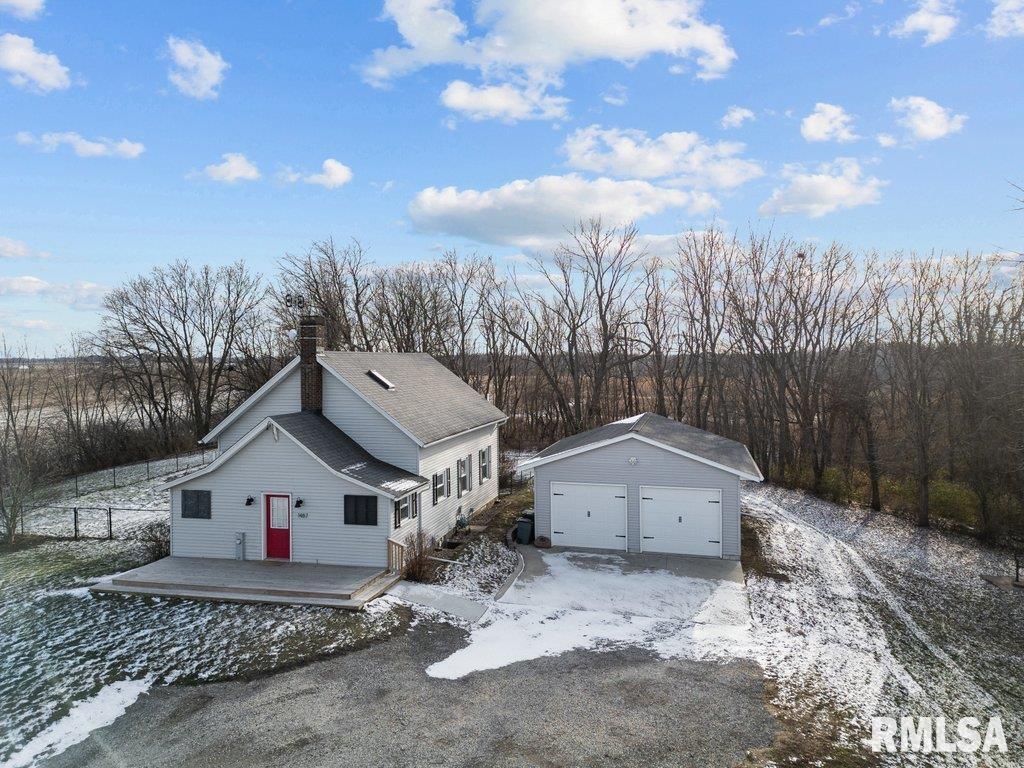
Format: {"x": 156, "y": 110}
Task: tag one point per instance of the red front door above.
{"x": 279, "y": 524}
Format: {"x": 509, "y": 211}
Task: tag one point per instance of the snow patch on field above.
{"x": 84, "y": 717}
{"x": 582, "y": 605}
{"x": 867, "y": 615}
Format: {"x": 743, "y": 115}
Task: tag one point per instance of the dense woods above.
{"x": 893, "y": 380}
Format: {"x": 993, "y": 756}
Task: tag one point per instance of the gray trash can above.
{"x": 524, "y": 530}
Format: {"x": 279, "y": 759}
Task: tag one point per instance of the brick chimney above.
{"x": 311, "y": 341}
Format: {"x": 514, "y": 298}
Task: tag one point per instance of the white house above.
{"x": 336, "y": 456}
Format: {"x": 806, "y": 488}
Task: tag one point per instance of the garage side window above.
{"x": 360, "y": 510}
{"x": 196, "y": 505}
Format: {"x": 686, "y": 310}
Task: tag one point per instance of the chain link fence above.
{"x": 71, "y": 522}
{"x": 128, "y": 474}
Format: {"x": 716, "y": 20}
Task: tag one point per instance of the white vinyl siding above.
{"x": 654, "y": 467}
{"x": 356, "y": 418}
{"x": 319, "y": 533}
{"x": 443, "y": 458}
{"x": 284, "y": 398}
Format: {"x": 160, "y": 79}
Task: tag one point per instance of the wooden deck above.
{"x": 253, "y": 581}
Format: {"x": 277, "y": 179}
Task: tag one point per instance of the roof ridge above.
{"x": 635, "y": 427}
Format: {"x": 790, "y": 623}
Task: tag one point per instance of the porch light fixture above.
{"x": 250, "y": 501}
{"x": 299, "y": 503}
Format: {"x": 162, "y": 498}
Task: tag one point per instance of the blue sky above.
{"x": 132, "y": 133}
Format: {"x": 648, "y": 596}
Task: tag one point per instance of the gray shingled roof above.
{"x": 344, "y": 455}
{"x": 670, "y": 432}
{"x": 428, "y": 401}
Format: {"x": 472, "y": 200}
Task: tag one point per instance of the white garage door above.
{"x": 588, "y": 515}
{"x": 683, "y": 521}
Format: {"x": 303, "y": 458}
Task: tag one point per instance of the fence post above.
{"x": 76, "y": 486}
{"x": 147, "y": 469}
{"x": 76, "y": 523}
{"x": 110, "y": 524}
{"x": 175, "y": 462}
{"x": 115, "y": 476}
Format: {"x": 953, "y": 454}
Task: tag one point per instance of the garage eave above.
{"x": 531, "y": 464}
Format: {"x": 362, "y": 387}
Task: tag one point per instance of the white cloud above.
{"x": 849, "y": 11}
{"x": 332, "y": 175}
{"x": 682, "y": 157}
{"x": 22, "y": 9}
{"x": 828, "y": 122}
{"x": 236, "y": 167}
{"x": 935, "y": 19}
{"x": 536, "y": 213}
{"x": 735, "y": 116}
{"x": 830, "y": 20}
{"x": 1007, "y": 19}
{"x": 831, "y": 187}
{"x": 534, "y": 41}
{"x": 28, "y": 67}
{"x": 78, "y": 295}
{"x": 617, "y": 95}
{"x": 197, "y": 70}
{"x": 17, "y": 249}
{"x": 81, "y": 146}
{"x": 505, "y": 102}
{"x": 886, "y": 140}
{"x": 924, "y": 119}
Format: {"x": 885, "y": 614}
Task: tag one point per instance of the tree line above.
{"x": 897, "y": 381}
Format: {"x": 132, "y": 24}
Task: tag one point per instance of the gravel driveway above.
{"x": 377, "y": 707}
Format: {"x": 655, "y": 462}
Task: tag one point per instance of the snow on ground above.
{"x": 85, "y": 716}
{"x": 587, "y": 601}
{"x": 866, "y": 615}
{"x": 482, "y": 568}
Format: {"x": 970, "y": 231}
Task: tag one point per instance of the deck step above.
{"x": 233, "y": 596}
{"x": 278, "y": 591}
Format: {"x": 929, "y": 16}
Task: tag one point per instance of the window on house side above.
{"x": 196, "y": 505}
{"x": 360, "y": 510}
{"x": 438, "y": 487}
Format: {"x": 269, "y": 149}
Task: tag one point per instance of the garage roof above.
{"x": 690, "y": 441}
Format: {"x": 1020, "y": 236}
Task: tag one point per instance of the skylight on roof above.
{"x": 380, "y": 379}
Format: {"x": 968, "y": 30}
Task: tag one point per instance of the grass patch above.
{"x": 811, "y": 737}
{"x": 24, "y": 541}
{"x": 753, "y": 557}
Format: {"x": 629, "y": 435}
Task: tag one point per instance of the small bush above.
{"x": 155, "y": 539}
{"x": 418, "y": 565}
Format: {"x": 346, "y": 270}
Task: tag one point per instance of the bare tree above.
{"x": 179, "y": 327}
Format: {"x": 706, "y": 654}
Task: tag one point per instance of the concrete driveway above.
{"x": 675, "y": 606}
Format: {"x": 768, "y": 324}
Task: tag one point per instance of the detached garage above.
{"x": 645, "y": 484}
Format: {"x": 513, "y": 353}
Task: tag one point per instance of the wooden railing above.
{"x": 396, "y": 556}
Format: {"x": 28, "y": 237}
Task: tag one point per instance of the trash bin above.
{"x": 524, "y": 530}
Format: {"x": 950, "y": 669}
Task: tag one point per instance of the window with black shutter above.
{"x": 437, "y": 487}
{"x": 403, "y": 510}
{"x": 360, "y": 510}
{"x": 196, "y": 505}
